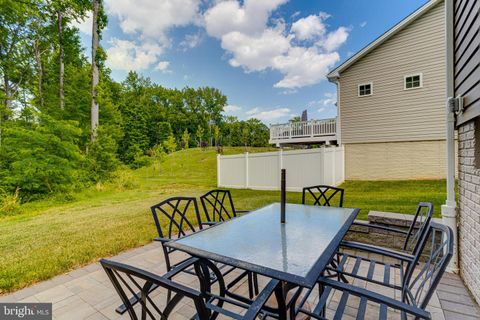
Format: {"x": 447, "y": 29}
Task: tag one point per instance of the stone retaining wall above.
{"x": 380, "y": 237}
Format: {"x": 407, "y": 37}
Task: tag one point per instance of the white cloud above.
{"x": 255, "y": 42}
{"x": 163, "y": 66}
{"x": 126, "y": 55}
{"x": 255, "y": 53}
{"x": 310, "y": 27}
{"x": 231, "y": 108}
{"x": 228, "y": 16}
{"x": 303, "y": 67}
{"x": 334, "y": 39}
{"x": 270, "y": 115}
{"x": 327, "y": 103}
{"x": 152, "y": 19}
{"x": 252, "y": 111}
{"x": 363, "y": 24}
{"x": 85, "y": 25}
{"x": 191, "y": 41}
{"x": 149, "y": 21}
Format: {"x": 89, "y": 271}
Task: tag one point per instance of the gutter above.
{"x": 449, "y": 209}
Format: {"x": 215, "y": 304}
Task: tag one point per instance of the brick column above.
{"x": 469, "y": 204}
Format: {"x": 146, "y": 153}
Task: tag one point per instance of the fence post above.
{"x": 246, "y": 171}
{"x": 219, "y": 180}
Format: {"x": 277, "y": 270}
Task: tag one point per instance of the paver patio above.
{"x": 86, "y": 293}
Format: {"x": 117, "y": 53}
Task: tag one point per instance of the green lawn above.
{"x": 50, "y": 237}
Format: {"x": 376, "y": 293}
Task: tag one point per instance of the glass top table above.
{"x": 296, "y": 251}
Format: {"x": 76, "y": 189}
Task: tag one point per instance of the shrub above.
{"x": 170, "y": 145}
{"x": 10, "y": 202}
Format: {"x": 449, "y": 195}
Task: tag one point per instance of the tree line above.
{"x": 65, "y": 123}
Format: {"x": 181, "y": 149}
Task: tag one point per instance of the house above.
{"x": 463, "y": 81}
{"x": 390, "y": 102}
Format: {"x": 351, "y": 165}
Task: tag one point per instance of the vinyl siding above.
{"x": 467, "y": 58}
{"x": 392, "y": 113}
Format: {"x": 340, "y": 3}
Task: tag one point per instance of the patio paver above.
{"x": 86, "y": 293}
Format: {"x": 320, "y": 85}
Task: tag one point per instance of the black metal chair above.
{"x": 179, "y": 220}
{"x": 349, "y": 264}
{"x": 128, "y": 280}
{"x": 182, "y": 216}
{"x": 218, "y": 206}
{"x": 323, "y": 196}
{"x": 414, "y": 293}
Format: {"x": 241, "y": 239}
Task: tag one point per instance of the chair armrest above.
{"x": 180, "y": 267}
{"x": 257, "y": 305}
{"x": 162, "y": 240}
{"x": 211, "y": 223}
{"x": 376, "y": 297}
{"x": 379, "y": 227}
{"x": 379, "y": 250}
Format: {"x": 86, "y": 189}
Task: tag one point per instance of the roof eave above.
{"x": 335, "y": 73}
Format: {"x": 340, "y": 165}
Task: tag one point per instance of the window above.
{"x": 413, "y": 81}
{"x": 365, "y": 89}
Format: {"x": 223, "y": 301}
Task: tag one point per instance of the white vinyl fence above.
{"x": 261, "y": 171}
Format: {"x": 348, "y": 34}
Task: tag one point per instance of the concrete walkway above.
{"x": 86, "y": 293}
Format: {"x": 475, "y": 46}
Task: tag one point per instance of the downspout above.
{"x": 449, "y": 209}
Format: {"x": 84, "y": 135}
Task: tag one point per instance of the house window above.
{"x": 413, "y": 81}
{"x": 365, "y": 89}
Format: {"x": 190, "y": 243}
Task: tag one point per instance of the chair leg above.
{"x": 169, "y": 296}
{"x": 250, "y": 285}
{"x": 255, "y": 284}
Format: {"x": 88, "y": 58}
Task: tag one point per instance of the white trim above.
{"x": 412, "y": 75}
{"x": 335, "y": 73}
{"x": 364, "y": 84}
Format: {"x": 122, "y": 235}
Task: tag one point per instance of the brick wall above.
{"x": 469, "y": 203}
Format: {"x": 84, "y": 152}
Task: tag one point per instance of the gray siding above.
{"x": 392, "y": 113}
{"x": 467, "y": 57}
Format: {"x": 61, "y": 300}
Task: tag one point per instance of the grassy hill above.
{"x": 53, "y": 236}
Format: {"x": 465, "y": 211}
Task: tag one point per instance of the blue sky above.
{"x": 269, "y": 57}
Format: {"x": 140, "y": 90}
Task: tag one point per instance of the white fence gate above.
{"x": 261, "y": 171}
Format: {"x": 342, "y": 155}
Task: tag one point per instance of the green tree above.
{"x": 200, "y": 134}
{"x": 41, "y": 158}
{"x": 185, "y": 139}
{"x": 170, "y": 145}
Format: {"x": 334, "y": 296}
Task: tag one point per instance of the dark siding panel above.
{"x": 462, "y": 57}
{"x": 467, "y": 21}
{"x": 467, "y": 56}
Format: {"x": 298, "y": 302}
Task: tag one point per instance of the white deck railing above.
{"x": 304, "y": 129}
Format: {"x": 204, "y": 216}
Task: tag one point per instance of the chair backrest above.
{"x": 418, "y": 227}
{"x": 430, "y": 265}
{"x": 218, "y": 205}
{"x": 179, "y": 215}
{"x": 323, "y": 196}
{"x": 130, "y": 281}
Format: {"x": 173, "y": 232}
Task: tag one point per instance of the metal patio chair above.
{"x": 182, "y": 217}
{"x": 218, "y": 206}
{"x": 179, "y": 222}
{"x": 351, "y": 264}
{"x": 414, "y": 293}
{"x": 128, "y": 280}
{"x": 323, "y": 195}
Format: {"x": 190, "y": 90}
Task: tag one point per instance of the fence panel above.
{"x": 261, "y": 171}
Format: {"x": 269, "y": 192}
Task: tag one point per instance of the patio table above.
{"x": 295, "y": 252}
